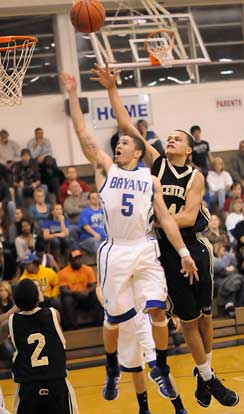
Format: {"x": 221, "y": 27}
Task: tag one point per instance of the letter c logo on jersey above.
{"x": 43, "y": 391}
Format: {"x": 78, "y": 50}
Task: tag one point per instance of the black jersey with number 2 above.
{"x": 176, "y": 182}
{"x": 39, "y": 344}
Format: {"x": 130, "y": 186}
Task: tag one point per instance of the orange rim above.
{"x": 170, "y": 47}
{"x": 27, "y": 42}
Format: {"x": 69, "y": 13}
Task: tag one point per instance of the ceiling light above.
{"x": 152, "y": 83}
{"x": 225, "y": 60}
{"x": 162, "y": 79}
{"x": 180, "y": 82}
{"x": 226, "y": 72}
{"x": 90, "y": 55}
{"x": 34, "y": 79}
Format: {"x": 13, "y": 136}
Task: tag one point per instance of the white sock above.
{"x": 209, "y": 358}
{"x": 205, "y": 371}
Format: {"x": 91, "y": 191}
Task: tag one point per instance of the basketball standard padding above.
{"x": 87, "y": 16}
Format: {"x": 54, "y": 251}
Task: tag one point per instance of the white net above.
{"x": 15, "y": 57}
{"x": 160, "y": 46}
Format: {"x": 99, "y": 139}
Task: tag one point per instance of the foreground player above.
{"x": 135, "y": 348}
{"x": 182, "y": 191}
{"x": 39, "y": 362}
{"x": 126, "y": 194}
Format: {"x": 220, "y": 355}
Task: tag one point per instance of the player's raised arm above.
{"x": 88, "y": 143}
{"x": 172, "y": 232}
{"x": 188, "y": 215}
{"x": 108, "y": 80}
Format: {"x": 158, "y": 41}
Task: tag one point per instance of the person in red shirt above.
{"x": 72, "y": 175}
{"x": 236, "y": 192}
{"x": 77, "y": 283}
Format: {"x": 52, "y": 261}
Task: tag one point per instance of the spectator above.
{"x": 235, "y": 193}
{"x": 9, "y": 150}
{"x": 56, "y": 232}
{"x": 219, "y": 182}
{"x": 6, "y": 303}
{"x": 91, "y": 225}
{"x": 40, "y": 210}
{"x": 39, "y": 146}
{"x": 238, "y": 233}
{"x": 150, "y": 136}
{"x": 215, "y": 234}
{"x": 228, "y": 282}
{"x": 237, "y": 165}
{"x": 201, "y": 155}
{"x": 47, "y": 278}
{"x": 73, "y": 205}
{"x": 78, "y": 283}
{"x": 235, "y": 216}
{"x": 52, "y": 176}
{"x": 13, "y": 227}
{"x": 71, "y": 176}
{"x": 45, "y": 259}
{"x": 26, "y": 176}
{"x": 25, "y": 242}
{"x": 5, "y": 200}
{"x": 8, "y": 265}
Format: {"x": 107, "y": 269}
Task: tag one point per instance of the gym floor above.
{"x": 228, "y": 364}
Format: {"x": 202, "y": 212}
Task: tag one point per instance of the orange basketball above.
{"x": 87, "y": 16}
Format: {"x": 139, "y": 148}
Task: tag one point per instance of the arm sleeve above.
{"x": 84, "y": 218}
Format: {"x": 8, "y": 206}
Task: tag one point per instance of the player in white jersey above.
{"x": 128, "y": 197}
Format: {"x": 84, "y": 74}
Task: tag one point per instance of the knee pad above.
{"x": 110, "y": 326}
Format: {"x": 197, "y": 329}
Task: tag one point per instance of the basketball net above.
{"x": 159, "y": 46}
{"x": 15, "y": 56}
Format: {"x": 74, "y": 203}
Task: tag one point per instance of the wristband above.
{"x": 183, "y": 252}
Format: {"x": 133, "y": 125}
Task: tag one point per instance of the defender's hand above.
{"x": 189, "y": 269}
{"x": 104, "y": 76}
{"x": 68, "y": 82}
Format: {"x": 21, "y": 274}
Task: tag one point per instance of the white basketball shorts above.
{"x": 131, "y": 278}
{"x": 136, "y": 345}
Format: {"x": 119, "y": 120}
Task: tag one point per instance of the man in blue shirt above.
{"x": 91, "y": 225}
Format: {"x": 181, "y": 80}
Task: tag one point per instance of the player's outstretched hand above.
{"x": 68, "y": 82}
{"x": 189, "y": 269}
{"x": 104, "y": 76}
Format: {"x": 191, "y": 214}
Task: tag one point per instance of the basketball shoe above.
{"x": 110, "y": 389}
{"x": 161, "y": 378}
{"x": 202, "y": 395}
{"x": 222, "y": 394}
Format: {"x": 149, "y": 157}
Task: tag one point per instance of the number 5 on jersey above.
{"x": 128, "y": 206}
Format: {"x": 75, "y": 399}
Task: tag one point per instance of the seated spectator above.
{"x": 215, "y": 234}
{"x": 45, "y": 259}
{"x": 77, "y": 284}
{"x": 13, "y": 227}
{"x": 52, "y": 176}
{"x": 91, "y": 225}
{"x": 25, "y": 242}
{"x": 235, "y": 216}
{"x": 9, "y": 150}
{"x": 56, "y": 232}
{"x": 201, "y": 155}
{"x": 234, "y": 193}
{"x": 237, "y": 165}
{"x": 238, "y": 233}
{"x": 40, "y": 210}
{"x": 150, "y": 136}
{"x": 228, "y": 282}
{"x": 72, "y": 175}
{"x": 26, "y": 176}
{"x": 73, "y": 205}
{"x": 219, "y": 183}
{"x": 39, "y": 146}
{"x": 5, "y": 200}
{"x": 46, "y": 277}
{"x": 6, "y": 348}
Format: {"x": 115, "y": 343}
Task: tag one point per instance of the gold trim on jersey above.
{"x": 189, "y": 184}
{"x": 175, "y": 172}
{"x": 58, "y": 327}
{"x": 11, "y": 333}
{"x": 162, "y": 168}
{"x": 16, "y": 399}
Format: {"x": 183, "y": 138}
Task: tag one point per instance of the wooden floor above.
{"x": 228, "y": 363}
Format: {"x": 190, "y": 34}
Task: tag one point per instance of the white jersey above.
{"x": 126, "y": 199}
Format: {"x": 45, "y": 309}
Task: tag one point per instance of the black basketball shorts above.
{"x": 46, "y": 397}
{"x": 186, "y": 301}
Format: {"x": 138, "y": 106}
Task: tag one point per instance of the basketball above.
{"x": 87, "y": 16}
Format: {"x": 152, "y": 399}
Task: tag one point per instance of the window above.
{"x": 42, "y": 74}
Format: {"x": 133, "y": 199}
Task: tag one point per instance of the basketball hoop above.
{"x": 15, "y": 56}
{"x": 159, "y": 45}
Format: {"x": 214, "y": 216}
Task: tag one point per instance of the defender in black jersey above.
{"x": 182, "y": 191}
{"x": 39, "y": 365}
